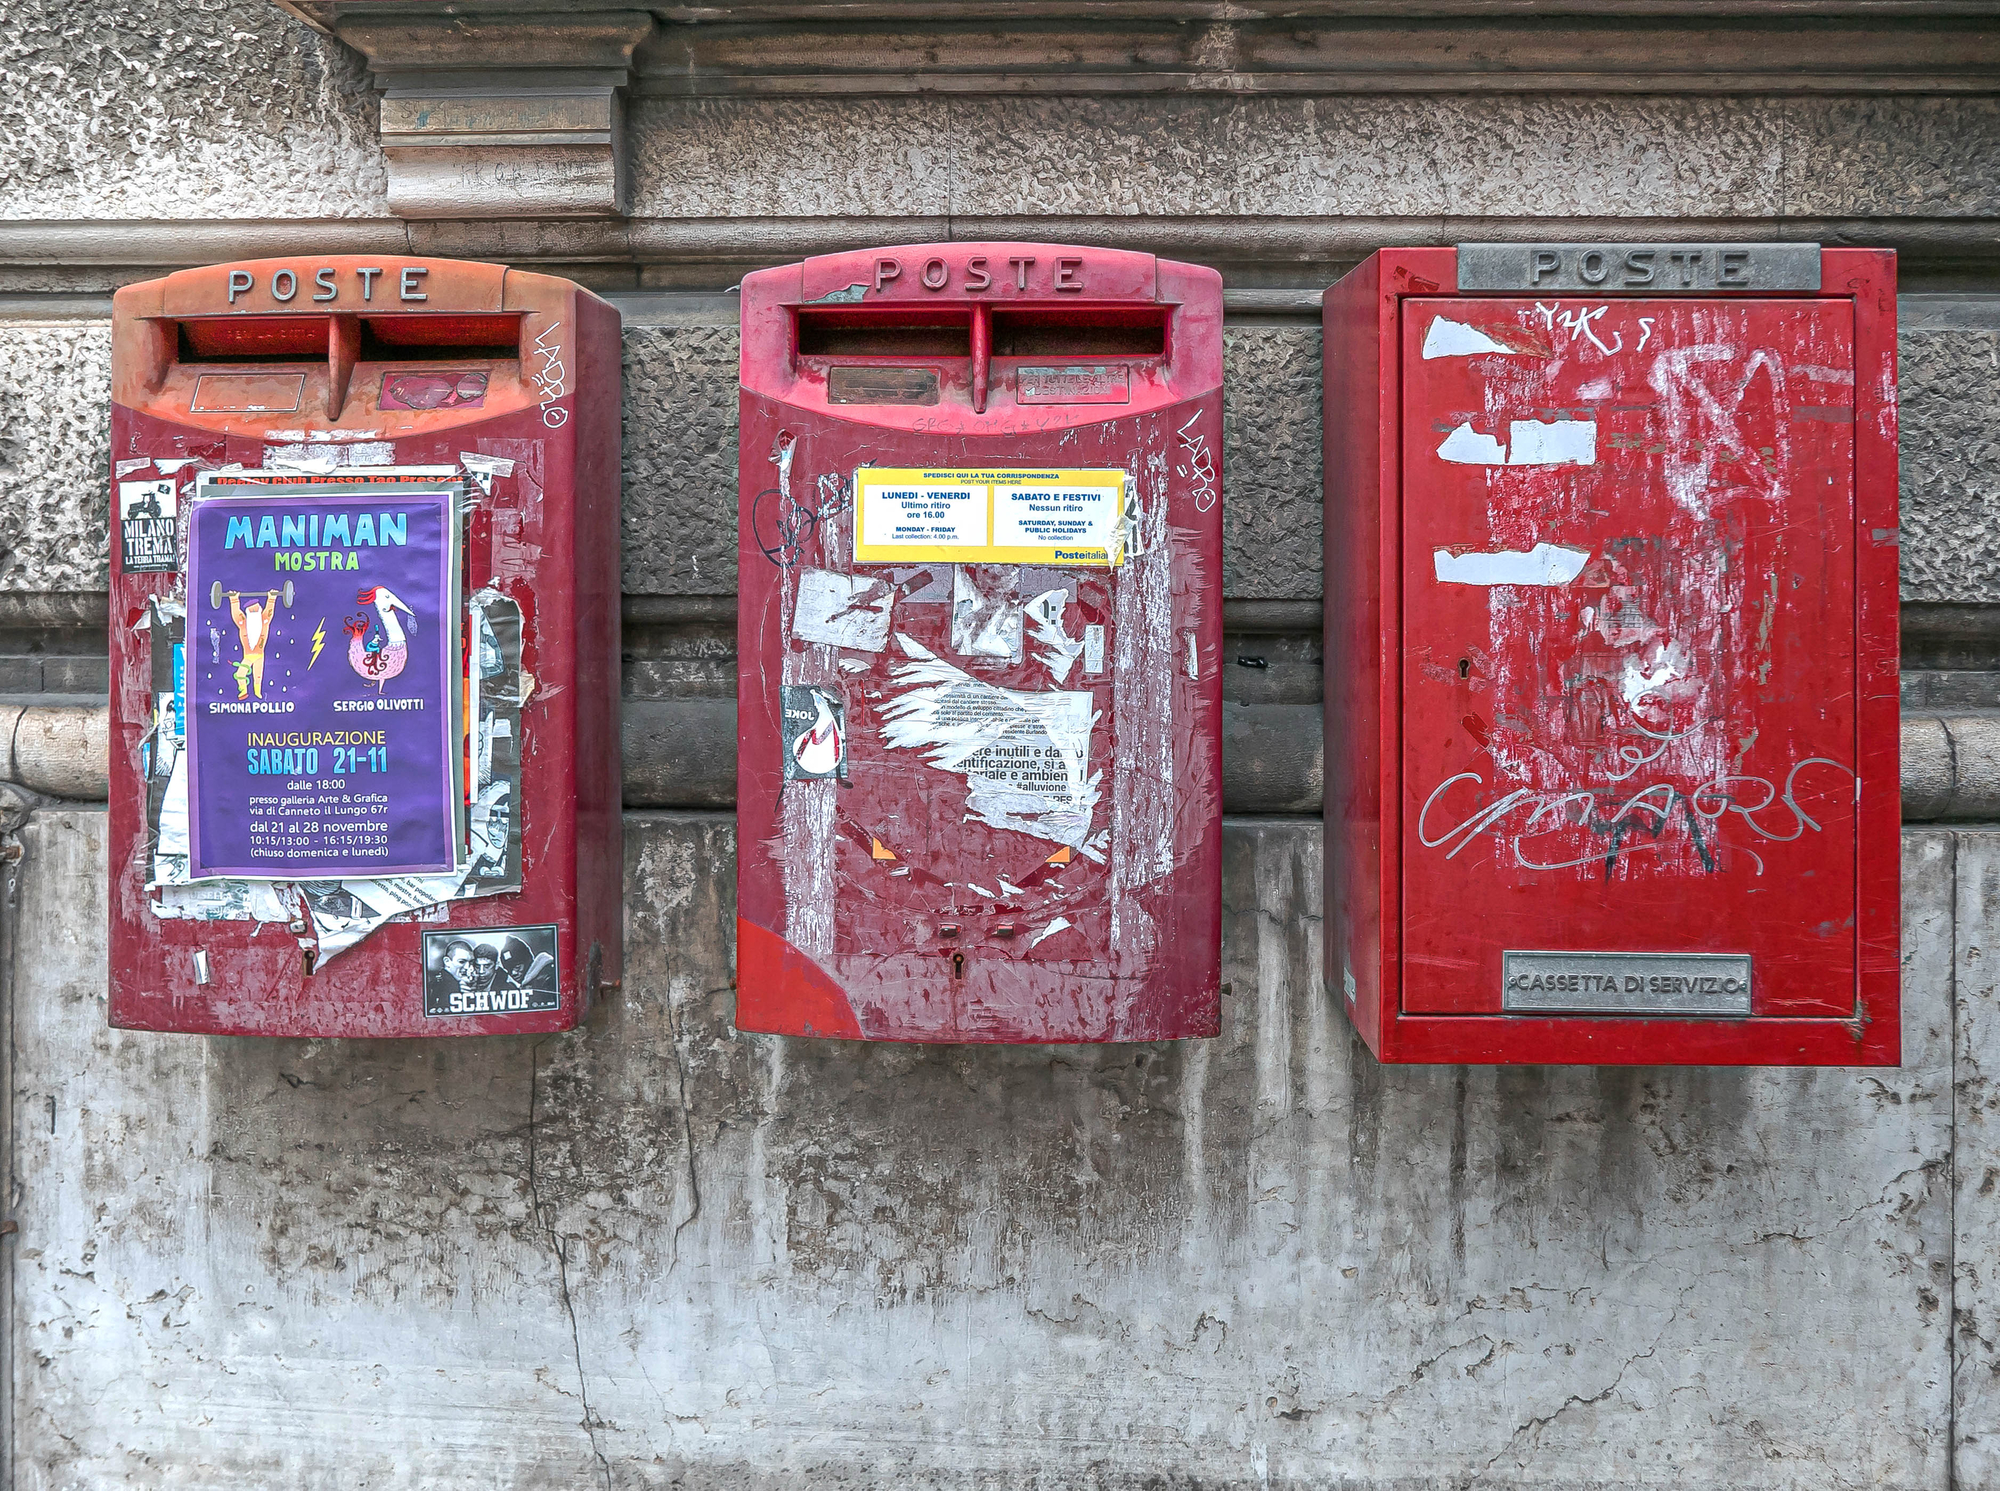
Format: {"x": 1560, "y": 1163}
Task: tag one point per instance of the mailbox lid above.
{"x": 1628, "y": 670}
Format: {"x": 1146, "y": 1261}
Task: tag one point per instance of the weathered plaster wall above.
{"x": 656, "y": 1252}
{"x": 680, "y": 460}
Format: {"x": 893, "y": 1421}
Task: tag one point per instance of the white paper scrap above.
{"x": 1531, "y": 442}
{"x": 1545, "y": 564}
{"x": 1061, "y": 923}
{"x": 1449, "y": 338}
{"x": 843, "y": 610}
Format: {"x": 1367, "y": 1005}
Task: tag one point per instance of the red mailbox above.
{"x": 979, "y": 774}
{"x": 1611, "y": 653}
{"x": 364, "y": 650}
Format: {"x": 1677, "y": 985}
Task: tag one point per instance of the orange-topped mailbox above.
{"x": 364, "y": 638}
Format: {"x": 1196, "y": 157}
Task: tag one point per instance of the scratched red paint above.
{"x": 892, "y": 891}
{"x": 1638, "y": 694}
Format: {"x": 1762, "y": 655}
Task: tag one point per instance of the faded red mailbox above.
{"x": 1611, "y": 653}
{"x": 364, "y": 649}
{"x": 979, "y": 775}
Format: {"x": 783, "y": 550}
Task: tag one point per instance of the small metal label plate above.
{"x": 1073, "y": 385}
{"x": 868, "y": 384}
{"x": 1715, "y": 984}
{"x": 1638, "y": 268}
{"x": 247, "y": 393}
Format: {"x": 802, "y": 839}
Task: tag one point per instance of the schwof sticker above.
{"x": 815, "y": 733}
{"x": 492, "y": 971}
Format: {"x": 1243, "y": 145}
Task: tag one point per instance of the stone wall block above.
{"x": 1272, "y": 488}
{"x": 160, "y": 110}
{"x": 680, "y": 460}
{"x": 55, "y": 433}
{"x": 1213, "y": 153}
{"x": 1544, "y": 156}
{"x": 1948, "y": 385}
{"x": 848, "y": 157}
{"x": 680, "y": 489}
{"x": 1097, "y": 157}
{"x": 1915, "y": 157}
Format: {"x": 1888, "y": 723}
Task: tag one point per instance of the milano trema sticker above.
{"x": 322, "y": 647}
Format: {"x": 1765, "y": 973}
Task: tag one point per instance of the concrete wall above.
{"x": 655, "y": 1252}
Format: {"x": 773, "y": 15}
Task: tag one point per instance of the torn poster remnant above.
{"x": 343, "y": 912}
{"x": 1044, "y": 617}
{"x": 1545, "y": 564}
{"x": 843, "y": 610}
{"x": 1530, "y": 442}
{"x": 985, "y": 619}
{"x": 1024, "y": 754}
{"x": 1449, "y": 338}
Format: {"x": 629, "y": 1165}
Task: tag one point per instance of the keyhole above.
{"x": 1465, "y": 667}
{"x": 958, "y": 965}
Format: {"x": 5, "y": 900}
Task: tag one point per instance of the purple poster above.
{"x": 323, "y": 734}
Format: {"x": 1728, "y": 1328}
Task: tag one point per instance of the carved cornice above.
{"x": 899, "y": 47}
{"x": 1802, "y": 50}
{"x": 509, "y": 114}
{"x": 515, "y": 108}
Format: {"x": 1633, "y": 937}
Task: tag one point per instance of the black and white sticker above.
{"x": 492, "y": 971}
{"x": 149, "y": 526}
{"x": 815, "y": 733}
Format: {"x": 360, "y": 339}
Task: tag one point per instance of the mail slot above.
{"x": 1612, "y": 654}
{"x": 979, "y": 780}
{"x": 364, "y": 650}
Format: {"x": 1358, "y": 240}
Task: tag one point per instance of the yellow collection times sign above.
{"x": 989, "y": 517}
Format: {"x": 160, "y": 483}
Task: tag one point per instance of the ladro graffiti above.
{"x": 1619, "y": 824}
{"x": 1614, "y": 690}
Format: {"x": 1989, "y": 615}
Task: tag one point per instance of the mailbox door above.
{"x": 1611, "y": 655}
{"x": 950, "y": 871}
{"x": 1629, "y": 667}
{"x": 336, "y": 363}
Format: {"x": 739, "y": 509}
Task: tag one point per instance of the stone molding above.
{"x": 505, "y": 115}
{"x": 1111, "y": 47}
{"x": 717, "y": 249}
{"x": 512, "y": 110}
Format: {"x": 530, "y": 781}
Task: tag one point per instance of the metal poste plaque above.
{"x": 1638, "y": 268}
